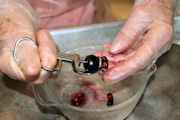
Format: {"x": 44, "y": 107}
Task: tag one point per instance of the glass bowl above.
{"x": 57, "y": 92}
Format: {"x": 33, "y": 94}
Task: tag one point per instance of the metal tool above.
{"x": 74, "y": 59}
{"x": 88, "y": 66}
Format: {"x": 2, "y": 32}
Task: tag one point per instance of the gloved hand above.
{"x": 145, "y": 36}
{"x": 17, "y": 20}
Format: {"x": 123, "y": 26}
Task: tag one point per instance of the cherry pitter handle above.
{"x": 89, "y": 65}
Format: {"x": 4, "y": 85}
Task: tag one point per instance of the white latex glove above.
{"x": 17, "y": 20}
{"x": 145, "y": 36}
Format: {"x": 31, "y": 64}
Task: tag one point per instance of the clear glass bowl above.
{"x": 57, "y": 92}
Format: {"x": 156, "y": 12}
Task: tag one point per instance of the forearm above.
{"x": 164, "y": 1}
{"x": 169, "y": 4}
{"x": 164, "y": 9}
{"x": 15, "y": 11}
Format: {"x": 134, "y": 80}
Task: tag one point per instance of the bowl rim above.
{"x": 112, "y": 108}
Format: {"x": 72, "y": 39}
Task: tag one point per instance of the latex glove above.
{"x": 17, "y": 20}
{"x": 145, "y": 36}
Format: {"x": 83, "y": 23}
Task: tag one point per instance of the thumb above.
{"x": 21, "y": 64}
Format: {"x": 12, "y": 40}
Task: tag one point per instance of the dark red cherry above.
{"x": 92, "y": 64}
{"x": 109, "y": 96}
{"x": 110, "y": 100}
{"x": 78, "y": 99}
{"x": 95, "y": 63}
{"x": 104, "y": 62}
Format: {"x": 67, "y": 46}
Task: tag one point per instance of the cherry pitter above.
{"x": 87, "y": 66}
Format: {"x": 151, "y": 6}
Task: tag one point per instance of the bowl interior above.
{"x": 62, "y": 87}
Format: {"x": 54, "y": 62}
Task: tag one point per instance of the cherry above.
{"x": 78, "y": 99}
{"x": 110, "y": 99}
{"x": 109, "y": 96}
{"x": 104, "y": 62}
{"x": 93, "y": 63}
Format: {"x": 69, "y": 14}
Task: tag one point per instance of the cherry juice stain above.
{"x": 95, "y": 90}
{"x": 80, "y": 99}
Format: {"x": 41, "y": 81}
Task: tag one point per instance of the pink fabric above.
{"x": 64, "y": 13}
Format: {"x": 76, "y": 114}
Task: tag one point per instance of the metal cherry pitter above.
{"x": 88, "y": 66}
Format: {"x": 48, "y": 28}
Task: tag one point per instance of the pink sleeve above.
{"x": 64, "y": 13}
